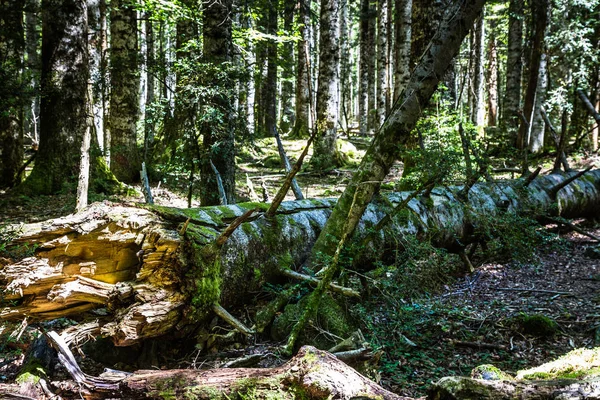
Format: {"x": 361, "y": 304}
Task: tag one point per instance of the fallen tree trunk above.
{"x": 311, "y": 374}
{"x": 461, "y": 388}
{"x": 146, "y": 270}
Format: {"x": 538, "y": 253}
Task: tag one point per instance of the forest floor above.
{"x": 513, "y": 314}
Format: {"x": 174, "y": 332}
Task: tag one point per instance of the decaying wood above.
{"x": 129, "y": 263}
{"x": 311, "y": 373}
{"x": 461, "y": 388}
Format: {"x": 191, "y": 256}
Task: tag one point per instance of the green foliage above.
{"x": 536, "y": 325}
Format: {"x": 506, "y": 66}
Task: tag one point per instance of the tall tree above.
{"x": 11, "y": 94}
{"x": 302, "y": 71}
{"x": 345, "y": 86}
{"x": 538, "y": 125}
{"x": 478, "y": 111}
{"x": 125, "y": 91}
{"x": 382, "y": 61}
{"x": 325, "y": 153}
{"x": 33, "y": 67}
{"x": 492, "y": 75}
{"x": 402, "y": 30}
{"x": 286, "y": 118}
{"x": 371, "y": 58}
{"x": 539, "y": 15}
{"x": 514, "y": 70}
{"x": 363, "y": 78}
{"x": 218, "y": 141}
{"x": 64, "y": 80}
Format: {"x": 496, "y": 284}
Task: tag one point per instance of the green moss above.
{"x": 490, "y": 372}
{"x": 202, "y": 392}
{"x": 31, "y": 372}
{"x": 577, "y": 364}
{"x": 536, "y": 325}
{"x": 330, "y": 317}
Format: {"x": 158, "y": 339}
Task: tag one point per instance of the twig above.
{"x": 232, "y": 227}
{"x": 574, "y": 227}
{"x": 288, "y": 180}
{"x": 479, "y": 345}
{"x": 532, "y": 177}
{"x": 532, "y": 290}
{"x": 286, "y": 164}
{"x": 231, "y": 320}
{"x": 220, "y": 186}
{"x": 307, "y": 278}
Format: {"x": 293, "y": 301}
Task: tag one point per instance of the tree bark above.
{"x": 218, "y": 141}
{"x": 64, "y": 81}
{"x": 12, "y": 94}
{"x": 312, "y": 373}
{"x": 325, "y": 154}
{"x": 382, "y": 62}
{"x": 125, "y": 91}
{"x": 363, "y": 85}
{"x": 402, "y": 24}
{"x": 538, "y": 128}
{"x": 539, "y": 12}
{"x": 514, "y": 70}
{"x": 303, "y": 101}
{"x": 492, "y": 77}
{"x": 154, "y": 274}
{"x": 478, "y": 111}
{"x": 286, "y": 116}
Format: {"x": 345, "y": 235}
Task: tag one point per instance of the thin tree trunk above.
{"x": 478, "y": 75}
{"x": 269, "y": 91}
{"x": 125, "y": 94}
{"x": 538, "y": 128}
{"x": 371, "y": 58}
{"x": 539, "y": 13}
{"x": 363, "y": 85}
{"x": 402, "y": 48}
{"x": 150, "y": 114}
{"x": 382, "y": 62}
{"x": 492, "y": 80}
{"x": 32, "y": 40}
{"x": 286, "y": 117}
{"x": 325, "y": 153}
{"x": 514, "y": 70}
{"x": 345, "y": 86}
{"x": 302, "y": 72}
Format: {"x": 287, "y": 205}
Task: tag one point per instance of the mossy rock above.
{"x": 577, "y": 364}
{"x": 537, "y": 325}
{"x": 489, "y": 372}
{"x": 330, "y": 318}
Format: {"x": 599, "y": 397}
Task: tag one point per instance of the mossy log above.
{"x": 144, "y": 271}
{"x": 311, "y": 374}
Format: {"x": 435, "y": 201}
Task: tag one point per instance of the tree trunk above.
{"x": 153, "y": 273}
{"x": 302, "y": 72}
{"x": 492, "y": 77}
{"x": 538, "y": 128}
{"x": 64, "y": 80}
{"x": 372, "y": 68}
{"x": 345, "y": 85}
{"x": 363, "y": 85}
{"x": 539, "y": 13}
{"x": 12, "y": 99}
{"x": 326, "y": 155}
{"x": 382, "y": 62}
{"x": 478, "y": 111}
{"x": 312, "y": 373}
{"x": 218, "y": 141}
{"x": 286, "y": 117}
{"x": 514, "y": 70}
{"x": 125, "y": 91}
{"x": 150, "y": 113}
{"x": 402, "y": 23}
{"x": 32, "y": 49}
